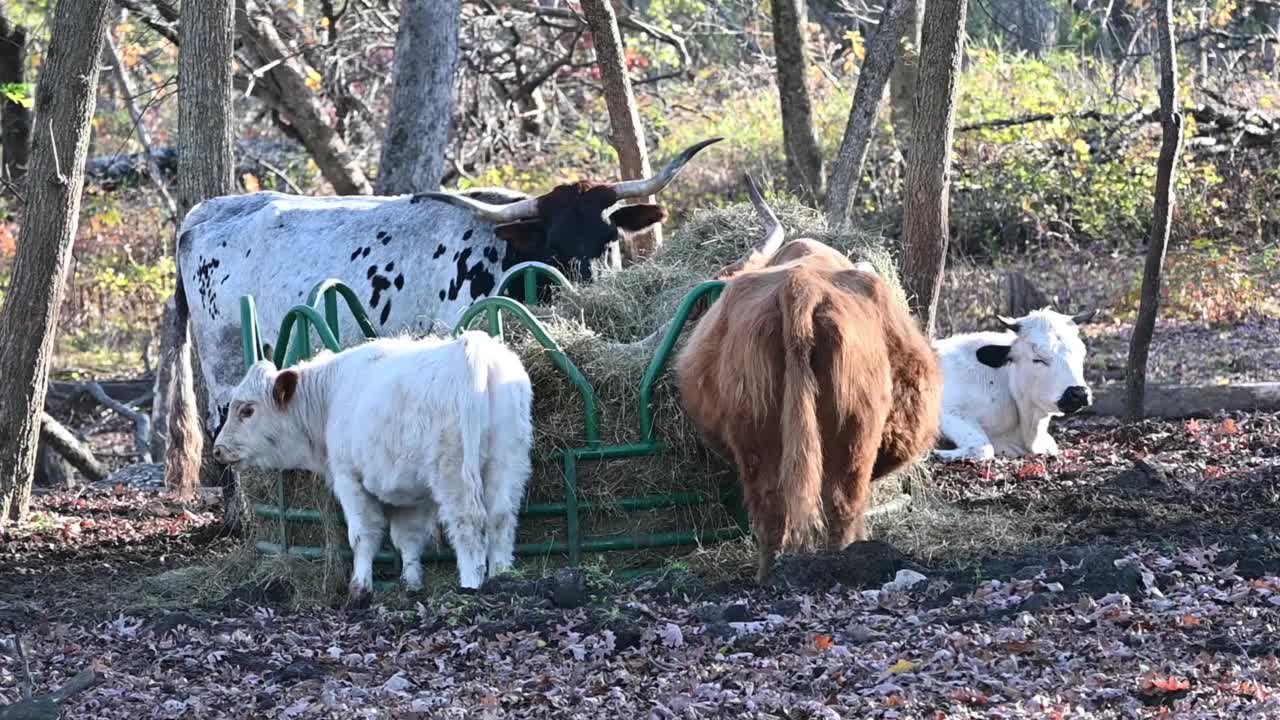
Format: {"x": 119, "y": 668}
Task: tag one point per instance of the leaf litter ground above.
{"x": 1133, "y": 576}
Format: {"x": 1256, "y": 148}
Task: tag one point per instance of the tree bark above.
{"x": 927, "y": 186}
{"x": 64, "y": 103}
{"x": 1170, "y": 144}
{"x": 15, "y": 120}
{"x": 627, "y": 136}
{"x": 800, "y": 140}
{"x": 205, "y": 170}
{"x": 906, "y": 74}
{"x": 421, "y": 115}
{"x": 60, "y": 440}
{"x": 868, "y": 96}
{"x": 279, "y": 67}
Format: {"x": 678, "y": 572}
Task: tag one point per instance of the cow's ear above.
{"x": 284, "y": 388}
{"x": 994, "y": 355}
{"x": 633, "y": 218}
{"x": 527, "y": 235}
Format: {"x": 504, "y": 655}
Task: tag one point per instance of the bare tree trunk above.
{"x": 279, "y": 68}
{"x": 205, "y": 170}
{"x": 1170, "y": 144}
{"x": 171, "y": 335}
{"x": 627, "y": 135}
{"x": 65, "y": 100}
{"x": 15, "y": 120}
{"x": 125, "y": 85}
{"x": 906, "y": 74}
{"x": 926, "y": 205}
{"x": 804, "y": 156}
{"x": 846, "y": 173}
{"x": 413, "y": 150}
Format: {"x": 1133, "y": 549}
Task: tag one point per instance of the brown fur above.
{"x": 815, "y": 382}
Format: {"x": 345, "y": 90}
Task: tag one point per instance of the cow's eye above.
{"x": 1040, "y": 361}
{"x": 246, "y": 412}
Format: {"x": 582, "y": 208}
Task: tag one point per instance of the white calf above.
{"x": 1001, "y": 388}
{"x": 414, "y": 431}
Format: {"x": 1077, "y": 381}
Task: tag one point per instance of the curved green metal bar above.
{"x": 491, "y": 305}
{"x": 284, "y": 357}
{"x": 710, "y": 289}
{"x": 328, "y": 288}
{"x": 529, "y": 274}
{"x": 249, "y": 338}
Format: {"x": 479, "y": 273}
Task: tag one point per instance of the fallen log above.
{"x": 141, "y": 421}
{"x": 59, "y": 439}
{"x": 1179, "y": 401}
{"x": 44, "y": 707}
{"x": 77, "y": 396}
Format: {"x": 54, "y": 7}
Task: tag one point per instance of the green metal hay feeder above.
{"x": 321, "y": 312}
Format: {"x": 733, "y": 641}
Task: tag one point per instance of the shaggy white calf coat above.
{"x": 1000, "y": 389}
{"x": 411, "y": 433}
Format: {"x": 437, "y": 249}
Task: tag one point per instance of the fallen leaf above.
{"x": 1031, "y": 470}
{"x": 1189, "y": 620}
{"x": 1193, "y": 427}
{"x": 902, "y": 666}
{"x": 1229, "y": 427}
{"x": 1168, "y": 684}
{"x": 822, "y": 642}
{"x": 1213, "y": 472}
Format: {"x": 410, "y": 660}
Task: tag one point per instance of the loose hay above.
{"x": 591, "y": 325}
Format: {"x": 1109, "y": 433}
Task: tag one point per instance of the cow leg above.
{"x": 505, "y": 477}
{"x": 412, "y": 528}
{"x": 366, "y": 525}
{"x": 463, "y": 514}
{"x": 848, "y": 497}
{"x": 970, "y": 440}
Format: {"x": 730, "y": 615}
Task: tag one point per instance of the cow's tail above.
{"x": 476, "y": 416}
{"x": 800, "y": 468}
{"x": 186, "y": 437}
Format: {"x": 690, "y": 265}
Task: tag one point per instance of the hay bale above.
{"x": 591, "y": 325}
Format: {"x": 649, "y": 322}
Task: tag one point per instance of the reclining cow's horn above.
{"x": 653, "y": 185}
{"x": 519, "y": 210}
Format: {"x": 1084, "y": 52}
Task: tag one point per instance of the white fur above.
{"x": 410, "y": 432}
{"x": 1005, "y": 411}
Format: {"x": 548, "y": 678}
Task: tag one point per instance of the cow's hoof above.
{"x": 358, "y": 599}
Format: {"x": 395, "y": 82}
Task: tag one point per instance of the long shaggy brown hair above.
{"x": 815, "y": 382}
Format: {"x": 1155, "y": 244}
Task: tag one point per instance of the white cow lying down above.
{"x": 417, "y": 432}
{"x": 999, "y": 389}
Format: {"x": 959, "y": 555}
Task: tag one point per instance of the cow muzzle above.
{"x": 1074, "y": 399}
{"x": 223, "y": 455}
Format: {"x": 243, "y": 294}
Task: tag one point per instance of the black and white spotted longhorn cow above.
{"x": 418, "y": 261}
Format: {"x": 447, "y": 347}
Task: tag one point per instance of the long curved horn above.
{"x": 653, "y": 185}
{"x": 773, "y": 232}
{"x": 519, "y": 210}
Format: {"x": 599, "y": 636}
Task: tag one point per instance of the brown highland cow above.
{"x": 815, "y": 381}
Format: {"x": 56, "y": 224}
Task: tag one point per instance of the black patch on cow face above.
{"x": 204, "y": 284}
{"x": 373, "y": 270}
{"x": 478, "y": 276}
{"x": 390, "y": 266}
{"x": 356, "y": 255}
{"x": 440, "y": 250}
{"x": 379, "y": 283}
{"x": 995, "y": 356}
{"x": 386, "y": 312}
{"x": 399, "y": 281}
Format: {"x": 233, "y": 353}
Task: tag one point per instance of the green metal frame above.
{"x": 294, "y": 346}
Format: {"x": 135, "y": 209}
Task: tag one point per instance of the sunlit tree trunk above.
{"x": 64, "y": 103}
{"x": 1166, "y": 164}
{"x": 926, "y": 205}
{"x": 800, "y": 140}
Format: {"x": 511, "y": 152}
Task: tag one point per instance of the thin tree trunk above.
{"x": 800, "y": 140}
{"x": 125, "y": 85}
{"x": 413, "y": 149}
{"x": 64, "y": 104}
{"x": 171, "y": 334}
{"x": 846, "y": 172}
{"x": 289, "y": 95}
{"x": 15, "y": 120}
{"x": 906, "y": 74}
{"x": 926, "y": 205}
{"x": 1170, "y": 144}
{"x": 627, "y": 135}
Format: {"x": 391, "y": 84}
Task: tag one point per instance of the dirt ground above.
{"x": 1135, "y": 575}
